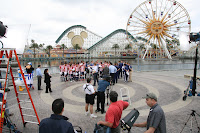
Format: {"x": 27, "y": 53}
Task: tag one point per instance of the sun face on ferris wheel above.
{"x": 157, "y": 21}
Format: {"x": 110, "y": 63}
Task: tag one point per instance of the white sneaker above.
{"x": 93, "y": 116}
{"x": 86, "y": 113}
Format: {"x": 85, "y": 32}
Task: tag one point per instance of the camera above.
{"x": 2, "y": 29}
{"x": 107, "y": 78}
{"x": 194, "y": 37}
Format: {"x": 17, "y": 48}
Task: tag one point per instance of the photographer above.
{"x": 156, "y": 120}
{"x": 103, "y": 84}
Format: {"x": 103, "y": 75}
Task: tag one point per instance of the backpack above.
{"x": 101, "y": 129}
{"x": 86, "y": 87}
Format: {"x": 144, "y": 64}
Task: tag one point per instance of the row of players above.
{"x": 79, "y": 71}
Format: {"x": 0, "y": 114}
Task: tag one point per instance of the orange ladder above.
{"x": 8, "y": 58}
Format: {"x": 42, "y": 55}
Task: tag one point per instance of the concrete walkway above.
{"x": 167, "y": 85}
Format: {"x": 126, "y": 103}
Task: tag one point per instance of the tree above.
{"x": 41, "y": 46}
{"x": 48, "y": 49}
{"x": 63, "y": 47}
{"x": 154, "y": 46}
{"x": 76, "y": 47}
{"x": 128, "y": 46}
{"x": 34, "y": 45}
{"x": 115, "y": 46}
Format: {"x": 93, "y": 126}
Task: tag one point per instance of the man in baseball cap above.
{"x": 156, "y": 120}
{"x": 151, "y": 96}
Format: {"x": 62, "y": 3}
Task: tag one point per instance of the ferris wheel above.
{"x": 157, "y": 21}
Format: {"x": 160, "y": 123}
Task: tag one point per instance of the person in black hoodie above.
{"x": 47, "y": 80}
{"x": 57, "y": 123}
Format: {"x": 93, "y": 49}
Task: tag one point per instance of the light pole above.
{"x": 138, "y": 61}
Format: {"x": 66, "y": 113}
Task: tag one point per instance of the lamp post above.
{"x": 195, "y": 72}
{"x": 138, "y": 59}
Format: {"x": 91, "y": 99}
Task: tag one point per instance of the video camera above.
{"x": 194, "y": 37}
{"x": 107, "y": 78}
{"x": 2, "y": 29}
{"x": 128, "y": 121}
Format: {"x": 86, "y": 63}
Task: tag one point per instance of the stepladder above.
{"x": 125, "y": 96}
{"x": 23, "y": 99}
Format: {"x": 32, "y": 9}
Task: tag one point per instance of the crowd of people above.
{"x": 109, "y": 75}
{"x": 80, "y": 71}
{"x": 155, "y": 123}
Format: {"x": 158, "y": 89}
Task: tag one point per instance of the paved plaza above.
{"x": 167, "y": 85}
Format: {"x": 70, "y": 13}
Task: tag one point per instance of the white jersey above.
{"x": 95, "y": 69}
{"x": 89, "y": 89}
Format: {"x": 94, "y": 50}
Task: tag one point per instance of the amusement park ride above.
{"x": 157, "y": 21}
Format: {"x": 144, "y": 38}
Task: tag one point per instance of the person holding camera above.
{"x": 89, "y": 97}
{"x": 156, "y": 120}
{"x": 103, "y": 84}
{"x": 114, "y": 113}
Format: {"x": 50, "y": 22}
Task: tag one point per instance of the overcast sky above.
{"x": 49, "y": 18}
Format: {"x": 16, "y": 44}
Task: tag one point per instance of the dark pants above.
{"x": 120, "y": 72}
{"x": 113, "y": 77}
{"x": 95, "y": 78}
{"x": 101, "y": 99}
{"x": 48, "y": 87}
{"x": 125, "y": 76}
{"x": 66, "y": 77}
{"x": 116, "y": 76}
{"x": 116, "y": 130}
{"x": 39, "y": 82}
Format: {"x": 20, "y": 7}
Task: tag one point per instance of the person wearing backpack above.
{"x": 89, "y": 97}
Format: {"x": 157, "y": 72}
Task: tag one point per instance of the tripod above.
{"x": 108, "y": 89}
{"x": 193, "y": 117}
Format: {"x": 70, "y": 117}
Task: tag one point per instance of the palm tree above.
{"x": 141, "y": 46}
{"x": 154, "y": 46}
{"x": 76, "y": 47}
{"x": 40, "y": 47}
{"x": 128, "y": 46}
{"x": 34, "y": 46}
{"x": 63, "y": 47}
{"x": 48, "y": 49}
{"x": 115, "y": 46}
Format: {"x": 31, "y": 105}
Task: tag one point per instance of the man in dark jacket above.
{"x": 105, "y": 71}
{"x": 103, "y": 84}
{"x": 57, "y": 123}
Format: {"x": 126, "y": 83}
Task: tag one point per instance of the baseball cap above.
{"x": 30, "y": 63}
{"x": 151, "y": 95}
